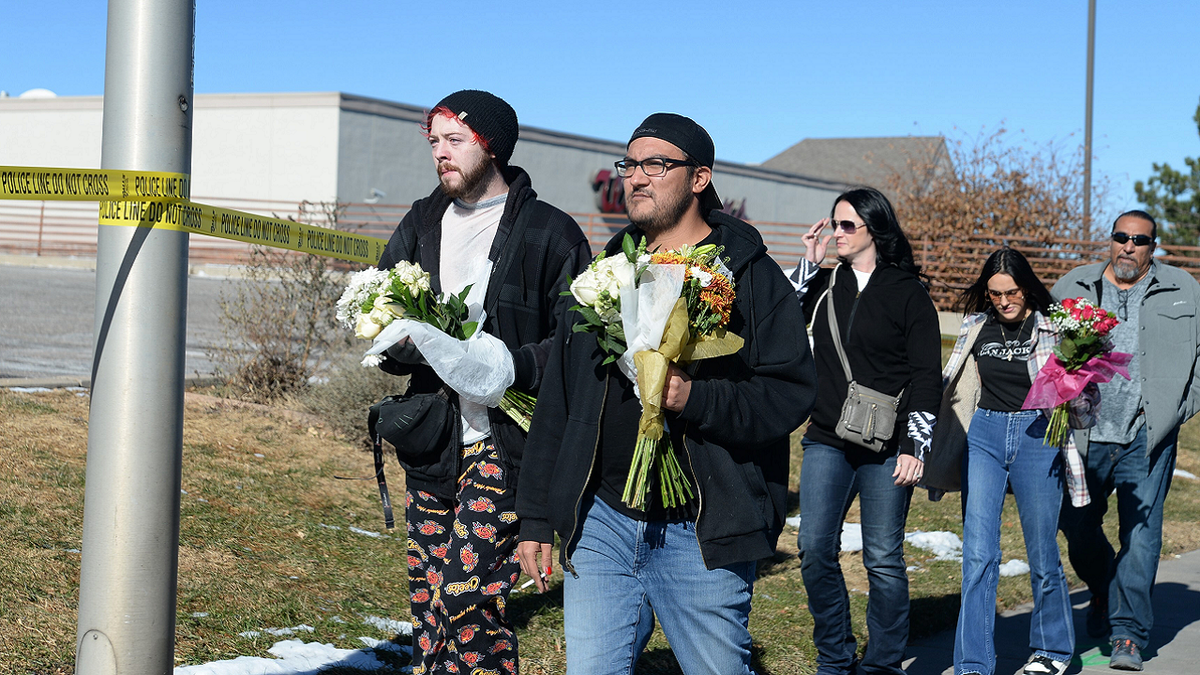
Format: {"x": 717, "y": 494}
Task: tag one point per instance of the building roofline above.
{"x": 402, "y": 111}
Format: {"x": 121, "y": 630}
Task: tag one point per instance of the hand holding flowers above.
{"x": 1084, "y": 355}
{"x": 650, "y": 311}
{"x": 475, "y": 364}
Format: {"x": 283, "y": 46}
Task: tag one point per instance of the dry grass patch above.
{"x": 265, "y": 542}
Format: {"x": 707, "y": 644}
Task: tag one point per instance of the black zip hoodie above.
{"x": 740, "y": 411}
{"x": 893, "y": 342}
{"x": 536, "y": 250}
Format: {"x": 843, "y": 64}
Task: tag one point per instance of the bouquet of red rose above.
{"x": 1084, "y": 354}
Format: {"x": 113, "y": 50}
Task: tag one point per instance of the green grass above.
{"x": 250, "y": 524}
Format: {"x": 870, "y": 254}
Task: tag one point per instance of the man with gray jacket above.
{"x": 1132, "y": 447}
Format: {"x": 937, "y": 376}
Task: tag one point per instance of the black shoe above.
{"x": 1125, "y": 656}
{"x": 1044, "y": 665}
{"x": 1097, "y": 617}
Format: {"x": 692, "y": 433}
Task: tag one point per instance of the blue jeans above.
{"x": 1141, "y": 480}
{"x": 629, "y": 571}
{"x": 1006, "y": 448}
{"x": 829, "y": 481}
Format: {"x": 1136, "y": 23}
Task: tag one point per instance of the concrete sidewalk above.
{"x": 1174, "y": 642}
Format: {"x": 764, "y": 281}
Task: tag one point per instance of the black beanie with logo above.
{"x": 489, "y": 116}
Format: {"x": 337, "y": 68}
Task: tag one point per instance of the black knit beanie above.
{"x": 489, "y": 116}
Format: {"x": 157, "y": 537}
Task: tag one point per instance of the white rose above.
{"x": 620, "y": 273}
{"x": 366, "y": 328}
{"x": 412, "y": 276}
{"x": 586, "y": 287}
{"x": 382, "y": 304}
{"x": 381, "y": 316}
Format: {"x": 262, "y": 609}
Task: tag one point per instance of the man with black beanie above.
{"x": 728, "y": 418}
{"x": 481, "y": 226}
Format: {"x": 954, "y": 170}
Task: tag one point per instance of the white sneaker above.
{"x": 1044, "y": 665}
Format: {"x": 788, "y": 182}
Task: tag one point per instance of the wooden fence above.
{"x": 69, "y": 229}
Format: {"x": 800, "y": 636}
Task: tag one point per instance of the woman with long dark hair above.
{"x": 887, "y": 327}
{"x": 1005, "y": 339}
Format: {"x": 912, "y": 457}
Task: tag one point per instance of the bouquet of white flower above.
{"x": 397, "y": 304}
{"x": 648, "y": 310}
{"x": 375, "y": 298}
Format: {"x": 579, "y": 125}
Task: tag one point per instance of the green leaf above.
{"x": 591, "y": 316}
{"x": 468, "y": 329}
{"x": 1067, "y": 347}
{"x": 629, "y": 248}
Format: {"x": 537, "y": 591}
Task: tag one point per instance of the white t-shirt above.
{"x": 468, "y": 231}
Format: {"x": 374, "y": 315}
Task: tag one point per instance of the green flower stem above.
{"x": 519, "y": 406}
{"x": 655, "y": 457}
{"x": 1056, "y": 430}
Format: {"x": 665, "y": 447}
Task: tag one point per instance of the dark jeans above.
{"x": 829, "y": 481}
{"x": 1141, "y": 481}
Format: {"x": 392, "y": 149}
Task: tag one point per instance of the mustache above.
{"x": 447, "y": 166}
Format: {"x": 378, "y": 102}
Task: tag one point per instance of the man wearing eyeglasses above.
{"x": 728, "y": 419}
{"x": 1132, "y": 447}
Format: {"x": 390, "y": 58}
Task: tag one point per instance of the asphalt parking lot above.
{"x": 47, "y": 313}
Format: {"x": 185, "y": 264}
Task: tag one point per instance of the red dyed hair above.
{"x": 449, "y": 114}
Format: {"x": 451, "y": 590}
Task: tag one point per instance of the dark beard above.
{"x": 665, "y": 215}
{"x": 472, "y": 182}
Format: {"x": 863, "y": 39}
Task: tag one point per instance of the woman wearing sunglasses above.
{"x": 1004, "y": 340}
{"x": 888, "y": 330}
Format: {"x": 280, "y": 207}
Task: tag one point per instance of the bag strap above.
{"x": 377, "y": 450}
{"x": 837, "y": 334}
{"x": 833, "y": 325}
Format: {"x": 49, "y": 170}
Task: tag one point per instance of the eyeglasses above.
{"x": 655, "y": 166}
{"x": 1010, "y": 294}
{"x": 1138, "y": 239}
{"x": 846, "y": 226}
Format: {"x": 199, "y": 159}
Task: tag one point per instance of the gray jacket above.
{"x": 1168, "y": 344}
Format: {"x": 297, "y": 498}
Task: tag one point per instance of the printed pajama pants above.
{"x": 462, "y": 563}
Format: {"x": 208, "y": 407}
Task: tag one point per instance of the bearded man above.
{"x": 727, "y": 418}
{"x": 460, "y": 516}
{"x": 1131, "y": 450}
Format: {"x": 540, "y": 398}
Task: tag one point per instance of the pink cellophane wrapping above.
{"x": 1055, "y": 384}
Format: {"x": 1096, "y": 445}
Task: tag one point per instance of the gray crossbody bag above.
{"x": 868, "y": 416}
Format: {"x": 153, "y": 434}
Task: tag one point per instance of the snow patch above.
{"x": 388, "y": 625}
{"x": 294, "y": 657}
{"x": 1014, "y": 568}
{"x": 367, "y": 533}
{"x": 943, "y": 545}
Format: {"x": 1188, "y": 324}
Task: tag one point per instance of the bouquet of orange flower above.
{"x": 652, "y": 310}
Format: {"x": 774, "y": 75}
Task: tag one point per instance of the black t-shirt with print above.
{"x": 1001, "y": 353}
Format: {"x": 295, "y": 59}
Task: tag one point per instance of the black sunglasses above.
{"x": 1138, "y": 239}
{"x": 847, "y": 226}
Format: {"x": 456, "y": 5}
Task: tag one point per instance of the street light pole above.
{"x": 1087, "y": 123}
{"x": 127, "y": 584}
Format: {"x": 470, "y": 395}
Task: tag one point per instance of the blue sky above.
{"x": 759, "y": 75}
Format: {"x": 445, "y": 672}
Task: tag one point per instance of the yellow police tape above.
{"x": 160, "y": 200}
{"x": 247, "y": 227}
{"x": 90, "y": 185}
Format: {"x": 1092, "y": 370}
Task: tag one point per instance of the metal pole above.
{"x": 1087, "y": 124}
{"x": 135, "y": 427}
